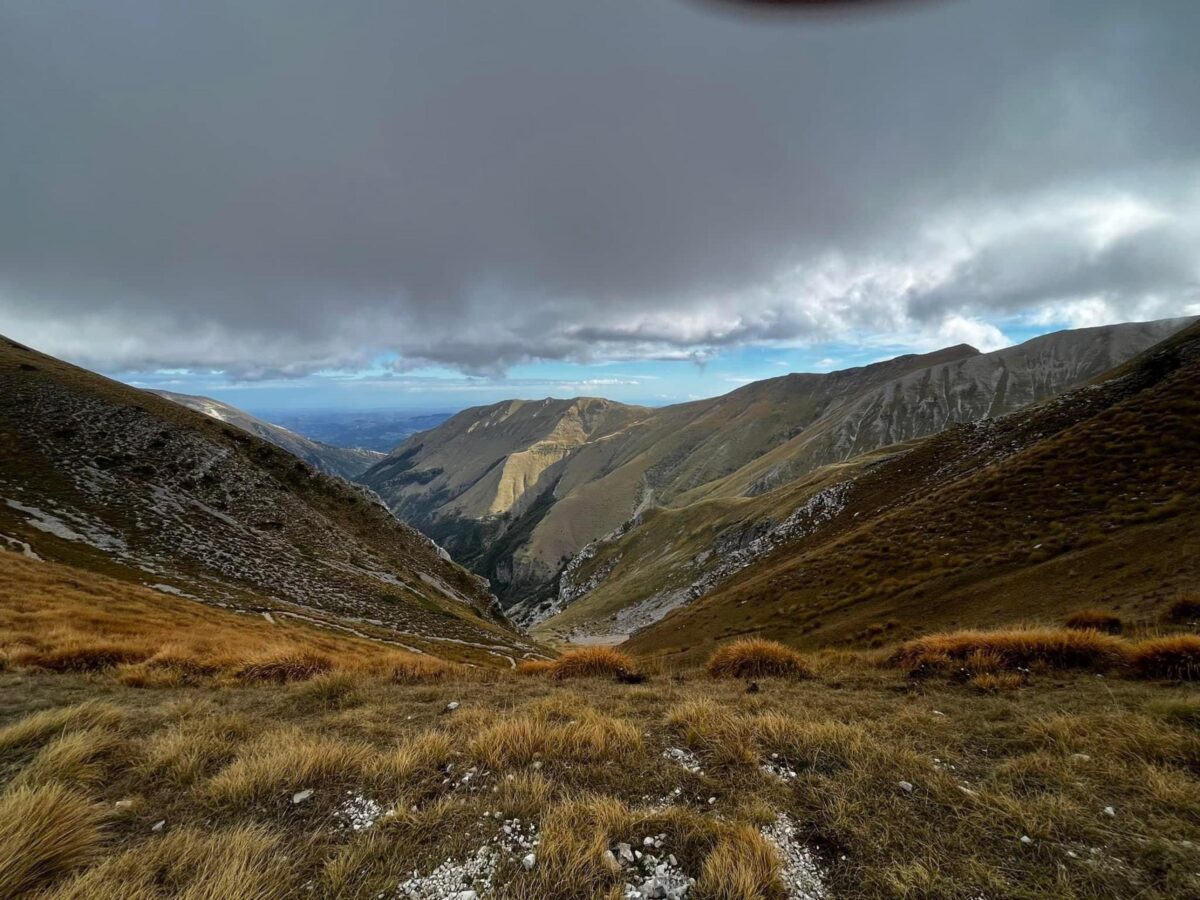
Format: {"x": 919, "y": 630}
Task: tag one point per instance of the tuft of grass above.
{"x": 42, "y": 726}
{"x": 408, "y": 668}
{"x": 45, "y": 832}
{"x": 535, "y": 667}
{"x": 593, "y": 662}
{"x": 80, "y": 656}
{"x": 757, "y": 658}
{"x": 187, "y": 752}
{"x": 287, "y": 760}
{"x": 1184, "y": 611}
{"x": 230, "y": 864}
{"x": 711, "y": 729}
{"x": 589, "y": 737}
{"x": 285, "y": 664}
{"x": 416, "y": 761}
{"x": 996, "y": 682}
{"x": 1176, "y": 656}
{"x": 1094, "y": 620}
{"x": 1055, "y": 648}
{"x": 76, "y": 757}
{"x": 742, "y": 866}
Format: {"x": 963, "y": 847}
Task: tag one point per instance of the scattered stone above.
{"x": 452, "y": 706}
{"x": 301, "y": 796}
{"x": 158, "y": 826}
{"x": 529, "y": 861}
{"x": 123, "y": 804}
{"x": 1026, "y": 840}
{"x": 801, "y": 874}
{"x": 906, "y": 786}
{"x": 1110, "y": 812}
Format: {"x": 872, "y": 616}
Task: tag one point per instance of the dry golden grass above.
{"x": 1176, "y": 657}
{"x": 45, "y": 832}
{"x": 271, "y": 764}
{"x": 742, "y": 866}
{"x": 42, "y": 726}
{"x": 995, "y": 682}
{"x": 588, "y": 737}
{"x": 243, "y": 863}
{"x": 1015, "y": 648}
{"x": 79, "y": 758}
{"x": 757, "y": 658}
{"x": 715, "y": 731}
{"x": 535, "y": 667}
{"x": 1094, "y": 620}
{"x": 66, "y": 620}
{"x": 592, "y": 662}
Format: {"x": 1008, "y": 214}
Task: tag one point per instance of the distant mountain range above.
{"x": 345, "y": 462}
{"x": 119, "y": 481}
{"x": 518, "y": 490}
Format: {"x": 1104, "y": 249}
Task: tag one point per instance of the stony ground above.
{"x": 855, "y": 783}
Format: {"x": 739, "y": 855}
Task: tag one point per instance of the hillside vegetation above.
{"x": 123, "y": 483}
{"x": 1088, "y": 501}
{"x": 516, "y": 490}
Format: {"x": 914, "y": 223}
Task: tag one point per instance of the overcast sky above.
{"x": 435, "y": 203}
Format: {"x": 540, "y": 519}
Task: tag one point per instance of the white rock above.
{"x": 906, "y": 786}
{"x": 1026, "y": 839}
{"x": 451, "y": 707}
{"x": 123, "y": 804}
{"x": 159, "y": 825}
{"x": 529, "y": 861}
{"x": 301, "y": 796}
{"x": 1110, "y": 812}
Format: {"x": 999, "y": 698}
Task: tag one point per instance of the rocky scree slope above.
{"x": 517, "y": 490}
{"x": 106, "y": 477}
{"x": 345, "y": 462}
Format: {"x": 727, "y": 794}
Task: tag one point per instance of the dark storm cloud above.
{"x": 276, "y": 187}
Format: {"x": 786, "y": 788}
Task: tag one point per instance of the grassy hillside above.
{"x": 1088, "y": 500}
{"x": 531, "y": 469}
{"x": 120, "y": 482}
{"x": 345, "y": 462}
{"x": 846, "y": 778}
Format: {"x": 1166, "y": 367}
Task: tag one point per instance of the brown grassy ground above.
{"x": 61, "y": 619}
{"x": 88, "y": 765}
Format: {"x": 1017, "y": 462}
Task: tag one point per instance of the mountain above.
{"x": 124, "y": 483}
{"x": 1091, "y": 499}
{"x": 344, "y": 462}
{"x": 518, "y": 489}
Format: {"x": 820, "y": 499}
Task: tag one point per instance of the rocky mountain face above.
{"x": 517, "y": 490}
{"x": 109, "y": 478}
{"x": 345, "y": 462}
{"x": 1091, "y": 498}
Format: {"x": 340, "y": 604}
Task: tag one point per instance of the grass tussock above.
{"x": 589, "y": 737}
{"x": 1054, "y": 648}
{"x": 592, "y": 662}
{"x": 742, "y": 866}
{"x": 45, "y": 832}
{"x": 230, "y": 864}
{"x": 1095, "y": 620}
{"x": 1176, "y": 657}
{"x": 39, "y": 727}
{"x": 757, "y": 658}
{"x": 536, "y": 667}
{"x": 81, "y": 758}
{"x": 287, "y": 760}
{"x": 285, "y": 664}
{"x": 408, "y": 668}
{"x": 79, "y": 656}
{"x": 715, "y": 731}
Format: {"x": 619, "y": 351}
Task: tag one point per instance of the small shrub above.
{"x": 1184, "y": 611}
{"x": 1055, "y": 648}
{"x": 593, "y": 662}
{"x": 757, "y": 658}
{"x": 1095, "y": 620}
{"x": 1176, "y": 657}
{"x": 283, "y": 665}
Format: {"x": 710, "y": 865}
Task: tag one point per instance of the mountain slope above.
{"x": 509, "y": 497}
{"x": 108, "y": 478}
{"x": 1090, "y": 499}
{"x": 345, "y": 462}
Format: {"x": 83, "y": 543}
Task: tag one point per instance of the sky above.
{"x": 294, "y": 204}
